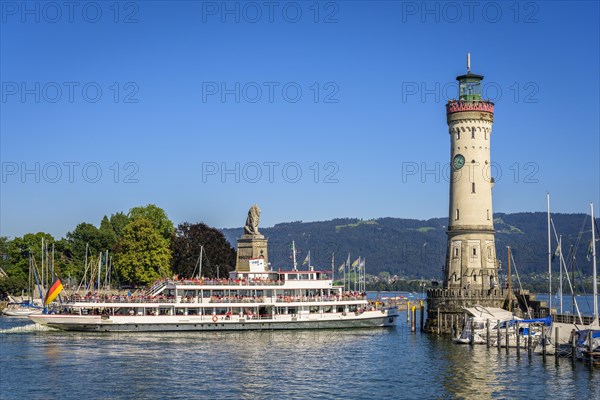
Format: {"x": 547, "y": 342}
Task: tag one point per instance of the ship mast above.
{"x": 594, "y": 278}
{"x": 549, "y": 258}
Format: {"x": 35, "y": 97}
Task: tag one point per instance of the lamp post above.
{"x": 422, "y": 284}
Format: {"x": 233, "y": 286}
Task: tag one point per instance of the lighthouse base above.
{"x": 445, "y": 313}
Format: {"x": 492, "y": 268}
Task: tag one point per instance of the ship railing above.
{"x": 121, "y": 299}
{"x": 227, "y": 282}
{"x": 290, "y": 299}
{"x": 237, "y": 300}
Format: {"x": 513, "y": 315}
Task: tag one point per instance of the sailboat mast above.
{"x": 549, "y": 257}
{"x": 560, "y": 280}
{"x": 42, "y": 268}
{"x": 86, "y": 265}
{"x": 509, "y": 283}
{"x": 573, "y": 302}
{"x": 594, "y": 278}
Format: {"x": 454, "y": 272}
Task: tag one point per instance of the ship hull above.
{"x": 92, "y": 323}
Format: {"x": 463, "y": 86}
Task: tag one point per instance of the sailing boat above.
{"x": 572, "y": 323}
{"x": 27, "y": 307}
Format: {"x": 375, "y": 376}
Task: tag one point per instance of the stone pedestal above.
{"x": 445, "y": 306}
{"x": 251, "y": 247}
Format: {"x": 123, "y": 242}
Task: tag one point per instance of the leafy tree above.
{"x": 118, "y": 222}
{"x": 87, "y": 234}
{"x": 16, "y": 254}
{"x": 107, "y": 233}
{"x": 217, "y": 253}
{"x": 144, "y": 254}
{"x": 157, "y": 216}
{"x": 11, "y": 285}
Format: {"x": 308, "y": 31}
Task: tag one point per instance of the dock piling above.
{"x": 556, "y": 349}
{"x": 487, "y": 328}
{"x": 573, "y": 345}
{"x": 507, "y": 338}
{"x": 498, "y": 334}
{"x": 472, "y": 337}
{"x": 518, "y": 337}
{"x": 543, "y": 344}
{"x": 529, "y": 341}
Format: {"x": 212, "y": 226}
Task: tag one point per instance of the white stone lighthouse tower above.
{"x": 471, "y": 253}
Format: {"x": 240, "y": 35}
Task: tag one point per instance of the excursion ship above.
{"x": 245, "y": 301}
{"x": 252, "y": 298}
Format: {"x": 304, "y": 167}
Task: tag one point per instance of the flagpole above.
{"x": 294, "y": 255}
{"x": 332, "y": 268}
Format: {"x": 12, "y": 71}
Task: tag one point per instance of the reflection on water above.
{"x": 363, "y": 363}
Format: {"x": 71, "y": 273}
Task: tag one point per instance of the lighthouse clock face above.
{"x": 458, "y": 162}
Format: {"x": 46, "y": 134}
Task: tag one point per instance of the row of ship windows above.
{"x": 457, "y": 214}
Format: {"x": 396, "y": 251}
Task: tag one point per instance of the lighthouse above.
{"x": 471, "y": 252}
{"x": 471, "y": 268}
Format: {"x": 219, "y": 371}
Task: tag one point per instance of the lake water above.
{"x": 353, "y": 364}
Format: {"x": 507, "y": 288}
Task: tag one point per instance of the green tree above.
{"x": 87, "y": 234}
{"x": 186, "y": 250}
{"x": 118, "y": 222}
{"x": 144, "y": 254}
{"x": 157, "y": 216}
{"x": 16, "y": 254}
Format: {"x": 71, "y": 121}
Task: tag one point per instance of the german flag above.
{"x": 54, "y": 290}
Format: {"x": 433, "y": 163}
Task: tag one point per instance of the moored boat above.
{"x": 22, "y": 309}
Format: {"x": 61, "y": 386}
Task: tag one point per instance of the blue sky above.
{"x": 161, "y": 97}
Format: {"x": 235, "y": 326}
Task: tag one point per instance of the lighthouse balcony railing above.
{"x": 460, "y": 105}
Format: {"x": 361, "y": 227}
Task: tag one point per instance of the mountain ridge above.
{"x": 415, "y": 248}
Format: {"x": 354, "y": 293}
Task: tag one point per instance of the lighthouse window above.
{"x": 457, "y": 214}
{"x": 472, "y": 133}
{"x": 455, "y": 252}
{"x": 485, "y": 135}
{"x": 474, "y": 251}
{"x": 457, "y": 135}
{"x": 473, "y": 187}
{"x": 488, "y": 214}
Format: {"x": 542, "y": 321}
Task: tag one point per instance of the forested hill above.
{"x": 417, "y": 248}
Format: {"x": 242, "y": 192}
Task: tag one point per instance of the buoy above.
{"x": 214, "y": 318}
